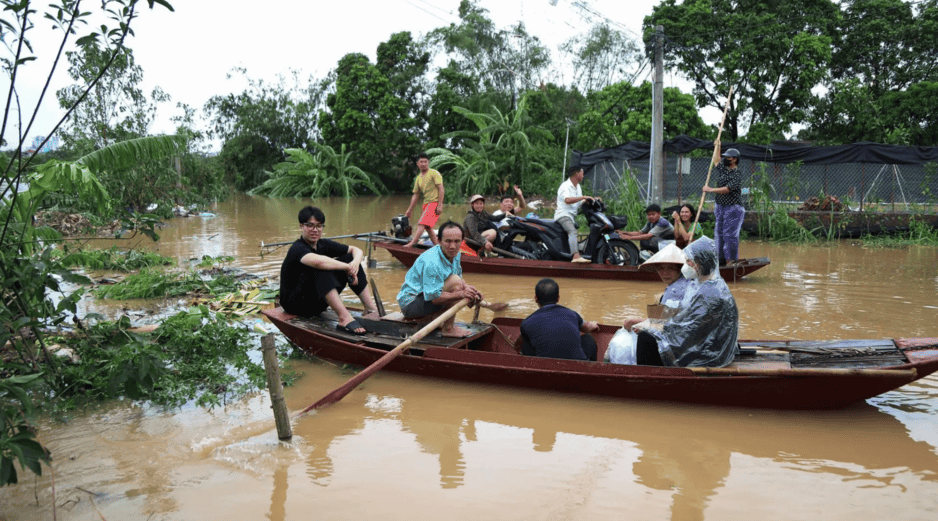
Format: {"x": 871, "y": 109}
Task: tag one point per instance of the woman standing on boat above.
{"x": 729, "y": 207}
{"x": 704, "y": 333}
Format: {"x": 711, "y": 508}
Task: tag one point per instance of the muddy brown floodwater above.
{"x": 402, "y": 447}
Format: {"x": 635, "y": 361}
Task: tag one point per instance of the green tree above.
{"x": 502, "y": 151}
{"x": 257, "y": 124}
{"x": 365, "y": 113}
{"x": 321, "y": 175}
{"x": 772, "y": 52}
{"x": 882, "y": 76}
{"x": 116, "y": 109}
{"x": 621, "y": 113}
{"x": 502, "y": 61}
{"x": 602, "y": 57}
{"x": 29, "y": 275}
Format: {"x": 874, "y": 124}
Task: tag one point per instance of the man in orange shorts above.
{"x": 429, "y": 182}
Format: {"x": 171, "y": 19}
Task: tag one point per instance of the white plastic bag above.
{"x": 622, "y": 348}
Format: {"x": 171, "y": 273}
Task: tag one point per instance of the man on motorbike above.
{"x": 569, "y": 198}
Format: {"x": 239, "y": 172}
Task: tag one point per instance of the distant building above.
{"x": 50, "y": 145}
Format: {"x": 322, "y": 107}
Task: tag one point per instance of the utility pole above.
{"x": 656, "y": 191}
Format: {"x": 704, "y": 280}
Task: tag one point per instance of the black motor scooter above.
{"x": 544, "y": 239}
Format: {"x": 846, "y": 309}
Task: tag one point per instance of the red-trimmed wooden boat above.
{"x": 556, "y": 269}
{"x": 783, "y": 375}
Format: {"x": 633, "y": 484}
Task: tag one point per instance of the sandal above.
{"x": 351, "y": 327}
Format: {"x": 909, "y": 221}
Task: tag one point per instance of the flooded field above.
{"x": 401, "y": 447}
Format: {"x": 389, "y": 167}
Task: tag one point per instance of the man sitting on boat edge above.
{"x": 434, "y": 283}
{"x": 316, "y": 270}
{"x": 554, "y": 331}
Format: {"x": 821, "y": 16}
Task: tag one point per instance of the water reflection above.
{"x": 685, "y": 453}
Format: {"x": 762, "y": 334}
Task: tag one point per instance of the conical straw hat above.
{"x": 670, "y": 254}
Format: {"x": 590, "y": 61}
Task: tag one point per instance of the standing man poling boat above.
{"x": 434, "y": 283}
{"x": 429, "y": 185}
{"x": 316, "y": 270}
{"x": 729, "y": 209}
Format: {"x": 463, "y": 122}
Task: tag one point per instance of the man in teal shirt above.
{"x": 434, "y": 283}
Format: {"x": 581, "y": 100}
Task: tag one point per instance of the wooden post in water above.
{"x": 275, "y": 386}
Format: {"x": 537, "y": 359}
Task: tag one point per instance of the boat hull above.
{"x": 489, "y": 358}
{"x": 562, "y": 269}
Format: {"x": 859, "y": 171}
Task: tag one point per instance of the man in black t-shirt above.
{"x": 316, "y": 270}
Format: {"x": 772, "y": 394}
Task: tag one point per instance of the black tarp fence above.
{"x": 859, "y": 173}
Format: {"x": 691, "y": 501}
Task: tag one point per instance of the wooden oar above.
{"x": 499, "y": 251}
{"x": 703, "y": 195}
{"x": 353, "y": 382}
{"x": 350, "y": 236}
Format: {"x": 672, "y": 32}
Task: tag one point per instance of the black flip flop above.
{"x": 351, "y": 327}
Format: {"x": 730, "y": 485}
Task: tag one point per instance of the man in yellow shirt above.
{"x": 429, "y": 183}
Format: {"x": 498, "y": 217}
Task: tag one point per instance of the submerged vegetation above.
{"x": 192, "y": 355}
{"x": 113, "y": 259}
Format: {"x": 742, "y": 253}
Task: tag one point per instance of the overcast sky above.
{"x": 188, "y": 53}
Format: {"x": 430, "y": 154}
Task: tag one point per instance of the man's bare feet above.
{"x": 456, "y": 332}
{"x": 496, "y": 307}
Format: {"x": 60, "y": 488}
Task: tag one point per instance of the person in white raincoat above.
{"x": 702, "y": 334}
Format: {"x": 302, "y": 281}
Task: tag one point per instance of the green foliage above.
{"x": 209, "y": 261}
{"x": 194, "y": 354}
{"x": 321, "y": 175}
{"x": 920, "y": 233}
{"x": 628, "y": 202}
{"x": 621, "y": 113}
{"x": 246, "y": 159}
{"x": 367, "y": 114}
{"x": 774, "y": 221}
{"x": 771, "y": 52}
{"x": 156, "y": 283}
{"x": 116, "y": 109}
{"x": 260, "y": 122}
{"x": 17, "y": 440}
{"x": 602, "y": 57}
{"x": 502, "y": 61}
{"x": 113, "y": 259}
{"x": 500, "y": 153}
{"x": 29, "y": 275}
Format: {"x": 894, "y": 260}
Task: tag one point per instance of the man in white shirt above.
{"x": 569, "y": 198}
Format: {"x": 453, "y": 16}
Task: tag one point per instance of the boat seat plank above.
{"x": 849, "y": 361}
{"x": 383, "y": 334}
{"x": 884, "y": 344}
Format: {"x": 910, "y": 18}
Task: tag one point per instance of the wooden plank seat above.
{"x": 385, "y": 334}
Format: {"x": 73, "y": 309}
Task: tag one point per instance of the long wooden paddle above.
{"x": 353, "y": 382}
{"x": 499, "y": 251}
{"x": 703, "y": 195}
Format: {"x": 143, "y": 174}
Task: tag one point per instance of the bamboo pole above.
{"x": 275, "y": 387}
{"x": 703, "y": 195}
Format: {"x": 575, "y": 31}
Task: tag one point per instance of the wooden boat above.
{"x": 555, "y": 269}
{"x": 771, "y": 374}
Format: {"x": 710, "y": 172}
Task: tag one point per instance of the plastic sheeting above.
{"x": 862, "y": 152}
{"x": 704, "y": 333}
